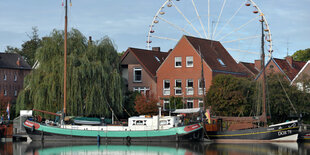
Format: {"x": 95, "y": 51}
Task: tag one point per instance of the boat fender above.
{"x": 196, "y": 135}
{"x": 128, "y": 138}
{"x": 32, "y": 128}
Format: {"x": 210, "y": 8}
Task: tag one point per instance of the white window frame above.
{"x": 5, "y": 93}
{"x": 15, "y": 77}
{"x": 189, "y": 89}
{"x": 141, "y": 89}
{"x": 166, "y": 103}
{"x": 176, "y": 89}
{"x": 15, "y": 93}
{"x": 4, "y": 78}
{"x": 189, "y": 61}
{"x": 134, "y": 74}
{"x": 177, "y": 59}
{"x": 200, "y": 91}
{"x": 189, "y": 101}
{"x": 200, "y": 102}
{"x": 166, "y": 91}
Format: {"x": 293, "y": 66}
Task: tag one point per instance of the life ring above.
{"x": 128, "y": 138}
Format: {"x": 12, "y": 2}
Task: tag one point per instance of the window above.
{"x": 221, "y": 62}
{"x": 190, "y": 87}
{"x": 139, "y": 122}
{"x": 190, "y": 103}
{"x": 143, "y": 90}
{"x": 157, "y": 59}
{"x": 163, "y": 122}
{"x": 178, "y": 87}
{"x": 15, "y": 77}
{"x": 166, "y": 105}
{"x": 189, "y": 61}
{"x": 200, "y": 103}
{"x": 200, "y": 87}
{"x": 178, "y": 62}
{"x": 166, "y": 90}
{"x": 5, "y": 93}
{"x": 15, "y": 93}
{"x": 4, "y": 77}
{"x": 137, "y": 74}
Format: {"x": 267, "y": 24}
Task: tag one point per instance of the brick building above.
{"x": 13, "y": 69}
{"x": 139, "y": 68}
{"x": 180, "y": 74}
{"x": 303, "y": 74}
{"x": 288, "y": 67}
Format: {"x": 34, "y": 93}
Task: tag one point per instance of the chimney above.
{"x": 258, "y": 65}
{"x": 18, "y": 62}
{"x": 157, "y": 49}
{"x": 89, "y": 40}
{"x": 289, "y": 59}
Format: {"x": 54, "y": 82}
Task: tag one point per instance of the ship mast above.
{"x": 65, "y": 58}
{"x": 264, "y": 115}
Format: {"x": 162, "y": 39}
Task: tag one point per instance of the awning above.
{"x": 187, "y": 111}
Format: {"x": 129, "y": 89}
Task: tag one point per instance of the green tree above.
{"x": 302, "y": 55}
{"x": 283, "y": 98}
{"x": 230, "y": 96}
{"x": 176, "y": 103}
{"x": 94, "y": 84}
{"x": 29, "y": 47}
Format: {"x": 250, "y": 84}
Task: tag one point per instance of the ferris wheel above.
{"x": 237, "y": 24}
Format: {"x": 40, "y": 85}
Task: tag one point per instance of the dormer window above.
{"x": 157, "y": 59}
{"x": 178, "y": 62}
{"x": 137, "y": 75}
{"x": 221, "y": 62}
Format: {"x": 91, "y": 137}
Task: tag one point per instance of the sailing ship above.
{"x": 156, "y": 128}
{"x": 247, "y": 129}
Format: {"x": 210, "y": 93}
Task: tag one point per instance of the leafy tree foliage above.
{"x": 94, "y": 84}
{"x": 230, "y": 96}
{"x": 302, "y": 55}
{"x": 176, "y": 102}
{"x": 280, "y": 94}
{"x": 29, "y": 47}
{"x": 146, "y": 105}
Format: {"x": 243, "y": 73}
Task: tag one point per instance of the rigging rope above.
{"x": 286, "y": 94}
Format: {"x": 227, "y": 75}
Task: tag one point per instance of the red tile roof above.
{"x": 151, "y": 60}
{"x": 213, "y": 52}
{"x": 250, "y": 67}
{"x": 290, "y": 70}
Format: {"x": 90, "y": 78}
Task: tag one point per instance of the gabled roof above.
{"x": 215, "y": 55}
{"x": 301, "y": 71}
{"x": 291, "y": 70}
{"x": 250, "y": 67}
{"x": 13, "y": 61}
{"x": 149, "y": 59}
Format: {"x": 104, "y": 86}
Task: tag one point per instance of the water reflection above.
{"x": 153, "y": 148}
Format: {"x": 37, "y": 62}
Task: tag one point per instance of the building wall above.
{"x": 147, "y": 80}
{"x": 272, "y": 68}
{"x": 14, "y": 81}
{"x": 168, "y": 71}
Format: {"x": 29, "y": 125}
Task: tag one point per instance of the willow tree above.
{"x": 94, "y": 84}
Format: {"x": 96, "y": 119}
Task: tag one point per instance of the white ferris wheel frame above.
{"x": 207, "y": 32}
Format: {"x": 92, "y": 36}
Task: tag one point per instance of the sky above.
{"x": 127, "y": 22}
